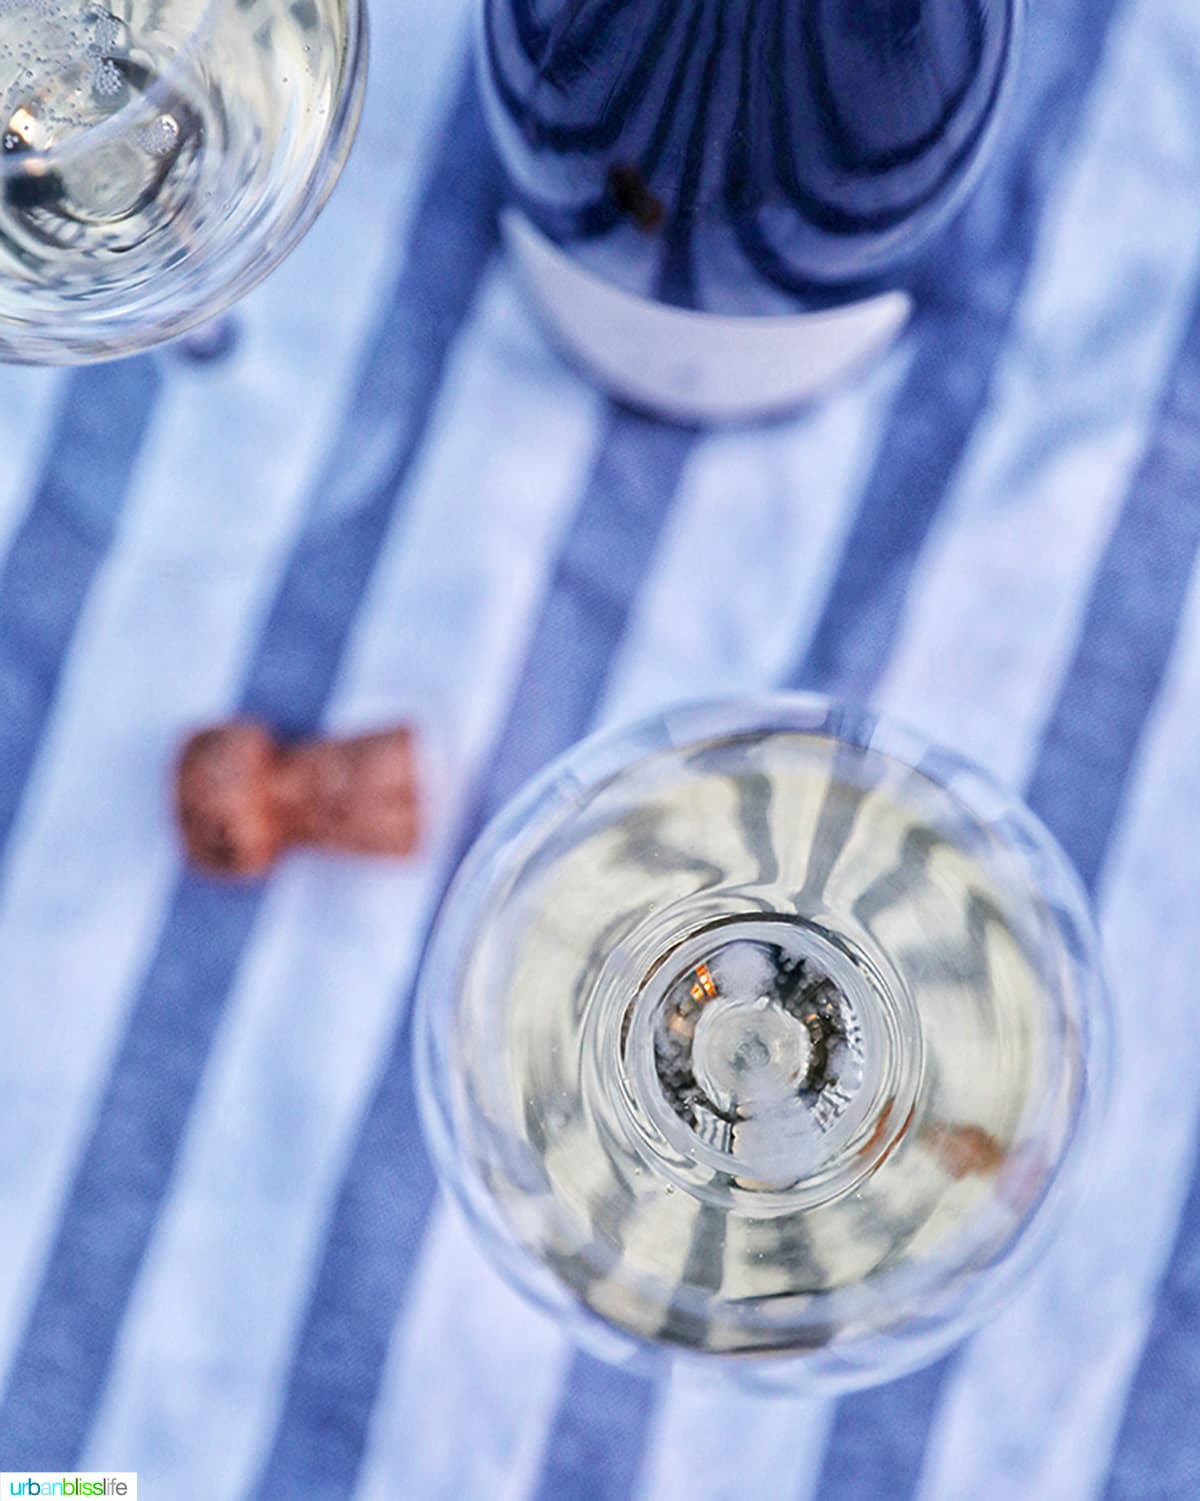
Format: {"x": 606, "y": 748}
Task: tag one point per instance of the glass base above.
{"x": 766, "y": 1064}
{"x": 689, "y": 366}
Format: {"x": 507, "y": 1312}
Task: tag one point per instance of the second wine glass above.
{"x": 159, "y": 157}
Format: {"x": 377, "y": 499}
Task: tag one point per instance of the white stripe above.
{"x": 162, "y": 644}
{"x": 995, "y": 606}
{"x": 715, "y": 1441}
{"x": 800, "y": 480}
{"x": 29, "y": 401}
{"x": 472, "y": 1383}
{"x": 216, "y": 1310}
{"x": 1036, "y": 1407}
{"x": 748, "y": 553}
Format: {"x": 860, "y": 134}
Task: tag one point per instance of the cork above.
{"x": 243, "y": 799}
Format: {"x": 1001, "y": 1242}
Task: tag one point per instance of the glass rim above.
{"x": 586, "y": 767}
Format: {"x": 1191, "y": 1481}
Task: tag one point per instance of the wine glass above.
{"x": 766, "y": 1036}
{"x": 159, "y": 157}
{"x": 714, "y": 205}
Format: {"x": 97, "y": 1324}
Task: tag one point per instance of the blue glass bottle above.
{"x": 739, "y": 159}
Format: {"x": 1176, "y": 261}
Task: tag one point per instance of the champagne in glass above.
{"x": 158, "y": 157}
{"x": 770, "y": 1033}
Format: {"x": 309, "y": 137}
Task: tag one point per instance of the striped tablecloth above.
{"x": 224, "y": 1262}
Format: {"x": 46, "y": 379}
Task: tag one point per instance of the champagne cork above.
{"x": 242, "y": 799}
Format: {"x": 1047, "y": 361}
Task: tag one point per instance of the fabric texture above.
{"x": 224, "y": 1259}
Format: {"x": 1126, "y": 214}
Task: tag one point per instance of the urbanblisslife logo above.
{"x": 55, "y": 1483}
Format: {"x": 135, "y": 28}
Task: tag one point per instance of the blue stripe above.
{"x": 1077, "y": 788}
{"x": 1158, "y": 1448}
{"x": 967, "y": 294}
{"x": 946, "y": 390}
{"x": 389, "y": 1186}
{"x": 582, "y": 1462}
{"x": 1128, "y": 631}
{"x": 1158, "y": 1455}
{"x": 596, "y": 581}
{"x": 882, "y": 1432}
{"x": 53, "y": 558}
{"x": 126, "y": 1168}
